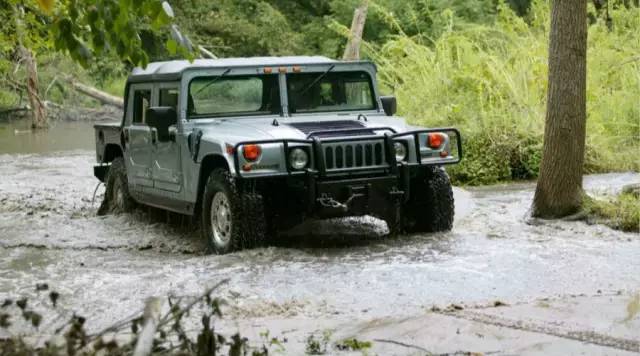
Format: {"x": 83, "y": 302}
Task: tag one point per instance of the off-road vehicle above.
{"x": 253, "y": 146}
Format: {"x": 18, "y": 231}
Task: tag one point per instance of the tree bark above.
{"x": 38, "y": 110}
{"x": 352, "y": 51}
{"x": 559, "y": 189}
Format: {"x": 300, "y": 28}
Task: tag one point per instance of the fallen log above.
{"x": 101, "y": 96}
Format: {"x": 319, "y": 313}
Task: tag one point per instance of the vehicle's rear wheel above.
{"x": 116, "y": 197}
{"x": 230, "y": 220}
{"x": 431, "y": 206}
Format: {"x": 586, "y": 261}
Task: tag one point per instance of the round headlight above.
{"x": 298, "y": 158}
{"x": 401, "y": 151}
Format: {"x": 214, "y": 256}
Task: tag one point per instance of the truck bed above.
{"x": 106, "y": 134}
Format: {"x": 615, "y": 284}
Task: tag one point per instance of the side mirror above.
{"x": 161, "y": 118}
{"x": 389, "y": 105}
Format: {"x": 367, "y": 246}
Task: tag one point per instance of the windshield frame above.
{"x": 332, "y": 71}
{"x": 320, "y": 67}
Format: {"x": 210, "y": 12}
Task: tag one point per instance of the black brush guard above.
{"x": 319, "y": 158}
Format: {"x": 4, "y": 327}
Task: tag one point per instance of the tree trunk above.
{"x": 38, "y": 110}
{"x": 352, "y": 51}
{"x": 559, "y": 189}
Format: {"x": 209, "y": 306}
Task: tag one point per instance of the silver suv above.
{"x": 253, "y": 146}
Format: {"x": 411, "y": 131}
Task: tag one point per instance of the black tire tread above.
{"x": 431, "y": 206}
{"x": 117, "y": 171}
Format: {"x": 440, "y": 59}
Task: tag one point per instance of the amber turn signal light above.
{"x": 435, "y": 140}
{"x": 251, "y": 152}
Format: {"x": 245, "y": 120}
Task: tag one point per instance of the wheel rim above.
{"x": 118, "y": 195}
{"x": 221, "y": 222}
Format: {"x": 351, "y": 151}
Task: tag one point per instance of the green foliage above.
{"x": 25, "y": 333}
{"x": 621, "y": 212}
{"x": 233, "y": 28}
{"x": 353, "y": 344}
{"x": 87, "y": 29}
{"x": 490, "y": 81}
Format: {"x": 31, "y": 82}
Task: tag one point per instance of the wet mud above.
{"x": 340, "y": 275}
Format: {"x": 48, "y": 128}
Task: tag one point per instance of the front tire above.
{"x": 230, "y": 220}
{"x": 117, "y": 198}
{"x": 431, "y": 205}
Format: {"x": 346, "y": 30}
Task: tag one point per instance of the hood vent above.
{"x": 327, "y": 126}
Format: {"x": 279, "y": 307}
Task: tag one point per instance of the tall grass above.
{"x": 491, "y": 81}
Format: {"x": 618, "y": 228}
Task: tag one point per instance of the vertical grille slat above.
{"x": 349, "y": 156}
{"x": 378, "y": 154}
{"x": 339, "y": 157}
{"x": 328, "y": 156}
{"x": 359, "y": 155}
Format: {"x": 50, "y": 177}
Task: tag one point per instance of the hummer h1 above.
{"x": 253, "y": 146}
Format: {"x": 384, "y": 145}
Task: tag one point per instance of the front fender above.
{"x": 213, "y": 148}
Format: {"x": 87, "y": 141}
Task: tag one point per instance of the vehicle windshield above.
{"x": 233, "y": 96}
{"x": 330, "y": 91}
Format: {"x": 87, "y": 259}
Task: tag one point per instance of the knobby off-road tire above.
{"x": 117, "y": 198}
{"x": 394, "y": 218}
{"x": 430, "y": 207}
{"x": 231, "y": 220}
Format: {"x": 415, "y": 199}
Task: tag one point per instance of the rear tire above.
{"x": 431, "y": 206}
{"x": 117, "y": 199}
{"x": 230, "y": 220}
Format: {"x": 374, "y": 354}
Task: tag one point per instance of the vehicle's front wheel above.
{"x": 116, "y": 197}
{"x": 430, "y": 207}
{"x": 230, "y": 220}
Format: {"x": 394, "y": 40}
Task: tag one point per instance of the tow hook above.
{"x": 327, "y": 202}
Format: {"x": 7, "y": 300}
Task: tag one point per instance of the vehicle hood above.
{"x": 248, "y": 129}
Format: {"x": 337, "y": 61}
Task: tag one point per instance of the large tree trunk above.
{"x": 559, "y": 189}
{"x": 38, "y": 110}
{"x": 352, "y": 51}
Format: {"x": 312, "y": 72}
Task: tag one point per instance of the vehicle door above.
{"x": 166, "y": 167}
{"x": 137, "y": 136}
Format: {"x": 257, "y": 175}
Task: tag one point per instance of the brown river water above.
{"x": 327, "y": 275}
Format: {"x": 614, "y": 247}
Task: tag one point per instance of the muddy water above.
{"x": 105, "y": 267}
{"x": 16, "y": 136}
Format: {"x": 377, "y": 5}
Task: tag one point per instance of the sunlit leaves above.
{"x": 88, "y": 29}
{"x": 46, "y": 5}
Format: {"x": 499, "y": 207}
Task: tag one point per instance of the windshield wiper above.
{"x": 315, "y": 81}
{"x": 226, "y": 71}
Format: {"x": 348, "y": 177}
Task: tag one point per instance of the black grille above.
{"x": 327, "y": 126}
{"x": 367, "y": 154}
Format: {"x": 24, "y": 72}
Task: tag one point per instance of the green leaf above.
{"x": 46, "y": 5}
{"x": 172, "y": 46}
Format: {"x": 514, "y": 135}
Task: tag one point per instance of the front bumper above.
{"x": 322, "y": 192}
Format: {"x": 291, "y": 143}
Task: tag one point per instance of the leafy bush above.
{"x": 491, "y": 80}
{"x": 621, "y": 212}
{"x": 171, "y": 337}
